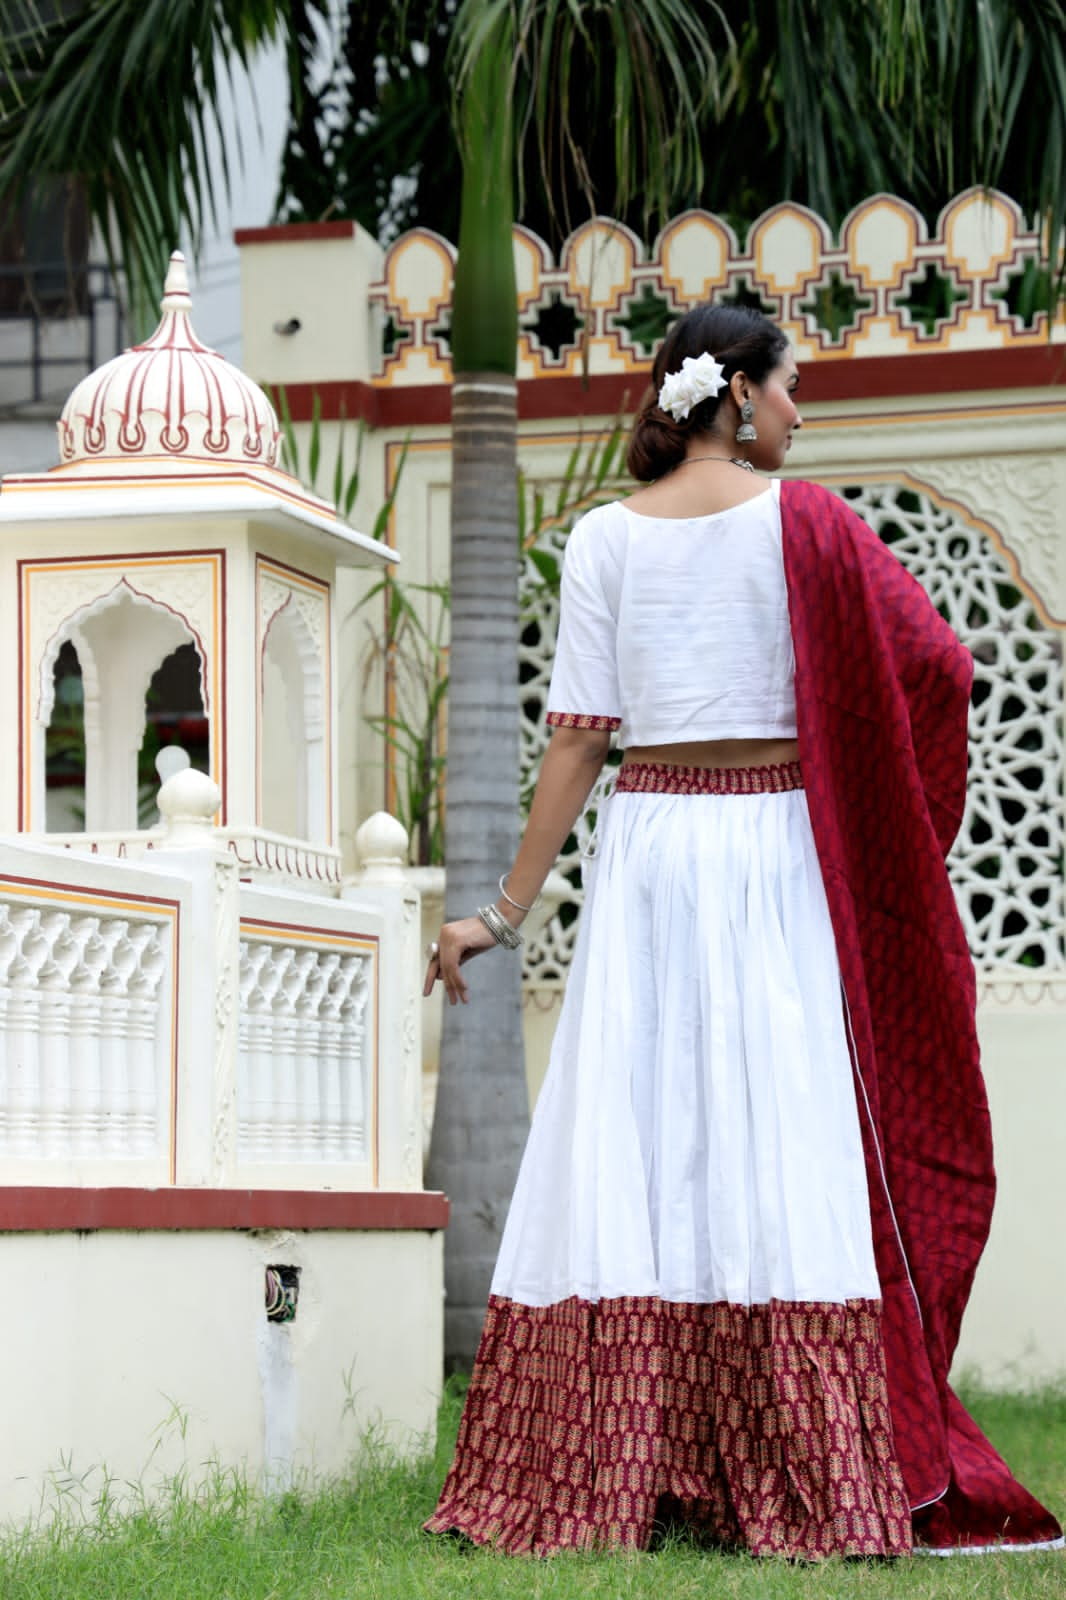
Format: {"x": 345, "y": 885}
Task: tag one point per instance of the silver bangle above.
{"x": 503, "y": 879}
{"x": 500, "y": 928}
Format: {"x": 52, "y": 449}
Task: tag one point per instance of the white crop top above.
{"x": 676, "y": 629}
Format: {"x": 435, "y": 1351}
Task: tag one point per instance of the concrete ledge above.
{"x": 48, "y": 1209}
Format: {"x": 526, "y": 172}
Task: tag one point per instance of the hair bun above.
{"x": 657, "y": 443}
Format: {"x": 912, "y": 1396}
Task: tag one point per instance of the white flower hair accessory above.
{"x": 699, "y": 378}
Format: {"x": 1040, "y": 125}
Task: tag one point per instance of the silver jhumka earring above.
{"x": 746, "y": 433}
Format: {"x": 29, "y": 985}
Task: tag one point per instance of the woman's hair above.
{"x": 743, "y": 340}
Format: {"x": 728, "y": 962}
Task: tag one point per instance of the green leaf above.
{"x": 279, "y": 399}
{"x": 314, "y": 450}
{"x": 338, "y": 470}
{"x": 547, "y": 566}
{"x": 381, "y": 521}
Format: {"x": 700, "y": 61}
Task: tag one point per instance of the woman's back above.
{"x": 677, "y": 627}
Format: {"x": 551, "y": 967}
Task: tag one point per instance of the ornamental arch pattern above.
{"x": 884, "y": 283}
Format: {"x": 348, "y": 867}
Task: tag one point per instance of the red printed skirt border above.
{"x": 765, "y": 1428}
{"x": 650, "y": 777}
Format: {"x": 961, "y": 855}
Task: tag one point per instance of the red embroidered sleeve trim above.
{"x": 573, "y": 719}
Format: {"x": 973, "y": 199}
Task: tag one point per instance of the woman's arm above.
{"x": 572, "y": 762}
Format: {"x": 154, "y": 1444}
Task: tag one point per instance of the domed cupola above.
{"x": 170, "y": 400}
{"x": 189, "y": 585}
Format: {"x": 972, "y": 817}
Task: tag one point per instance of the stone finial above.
{"x": 187, "y": 803}
{"x": 381, "y": 845}
{"x": 176, "y": 296}
{"x": 170, "y": 760}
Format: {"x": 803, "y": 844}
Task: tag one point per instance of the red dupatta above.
{"x": 882, "y": 690}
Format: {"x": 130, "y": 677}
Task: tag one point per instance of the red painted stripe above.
{"x": 948, "y": 372}
{"x": 294, "y": 232}
{"x": 56, "y": 1210}
{"x": 606, "y": 394}
{"x": 540, "y": 399}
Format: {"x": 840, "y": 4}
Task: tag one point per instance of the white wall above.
{"x": 135, "y": 1356}
{"x": 1014, "y": 1330}
{"x": 259, "y": 109}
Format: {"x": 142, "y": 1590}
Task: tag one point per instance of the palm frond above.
{"x": 646, "y": 69}
{"x": 920, "y": 97}
{"x": 986, "y": 102}
{"x": 125, "y": 98}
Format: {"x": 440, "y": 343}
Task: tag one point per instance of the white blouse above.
{"x": 676, "y": 629}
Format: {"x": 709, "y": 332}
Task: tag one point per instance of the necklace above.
{"x": 733, "y": 461}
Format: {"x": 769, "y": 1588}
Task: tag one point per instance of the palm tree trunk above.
{"x": 482, "y": 1114}
{"x": 482, "y": 1109}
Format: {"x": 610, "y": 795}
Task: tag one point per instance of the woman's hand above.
{"x": 571, "y": 762}
{"x": 456, "y": 943}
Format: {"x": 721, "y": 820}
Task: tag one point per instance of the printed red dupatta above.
{"x": 882, "y": 690}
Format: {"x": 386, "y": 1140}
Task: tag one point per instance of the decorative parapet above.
{"x": 882, "y": 286}
{"x": 165, "y": 1021}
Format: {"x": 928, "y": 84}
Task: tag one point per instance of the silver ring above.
{"x": 433, "y": 951}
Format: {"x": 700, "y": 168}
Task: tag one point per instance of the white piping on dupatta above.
{"x": 988, "y": 1549}
{"x": 892, "y": 1213}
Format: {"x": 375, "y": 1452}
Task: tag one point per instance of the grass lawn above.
{"x": 362, "y": 1539}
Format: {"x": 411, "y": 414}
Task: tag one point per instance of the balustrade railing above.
{"x": 305, "y": 1087}
{"x": 163, "y": 1021}
{"x": 81, "y": 1008}
{"x": 88, "y": 1020}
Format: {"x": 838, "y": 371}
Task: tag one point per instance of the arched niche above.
{"x": 174, "y": 715}
{"x": 121, "y": 639}
{"x": 64, "y": 750}
{"x": 293, "y": 776}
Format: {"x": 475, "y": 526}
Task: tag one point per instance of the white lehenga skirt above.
{"x": 697, "y": 1135}
{"x": 685, "y": 1310}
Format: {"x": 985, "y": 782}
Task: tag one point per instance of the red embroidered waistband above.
{"x": 647, "y": 777}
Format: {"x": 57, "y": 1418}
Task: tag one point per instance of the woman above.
{"x": 759, "y": 1174}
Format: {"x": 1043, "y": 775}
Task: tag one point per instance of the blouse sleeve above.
{"x": 584, "y": 686}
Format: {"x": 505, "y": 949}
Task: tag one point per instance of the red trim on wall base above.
{"x": 294, "y": 232}
{"x": 607, "y": 394}
{"x": 45, "y": 1209}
